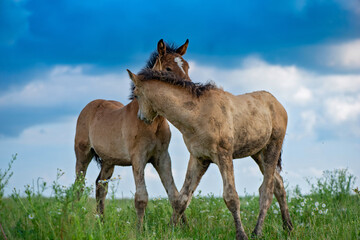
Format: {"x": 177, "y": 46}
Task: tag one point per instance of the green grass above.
{"x": 331, "y": 211}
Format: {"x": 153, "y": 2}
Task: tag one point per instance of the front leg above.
{"x": 231, "y": 198}
{"x": 141, "y": 195}
{"x": 163, "y": 167}
{"x": 196, "y": 169}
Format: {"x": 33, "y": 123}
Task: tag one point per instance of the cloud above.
{"x": 151, "y": 174}
{"x": 313, "y": 100}
{"x": 255, "y": 74}
{"x": 342, "y": 109}
{"x": 345, "y": 55}
{"x": 66, "y": 85}
{"x": 56, "y": 133}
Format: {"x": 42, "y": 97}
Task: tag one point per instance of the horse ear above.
{"x": 182, "y": 49}
{"x": 161, "y": 47}
{"x": 133, "y": 77}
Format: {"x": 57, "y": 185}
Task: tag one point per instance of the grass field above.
{"x": 331, "y": 211}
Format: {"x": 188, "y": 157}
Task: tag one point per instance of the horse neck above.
{"x": 169, "y": 103}
{"x": 134, "y": 106}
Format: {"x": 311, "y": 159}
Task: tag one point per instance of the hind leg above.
{"x": 83, "y": 157}
{"x": 279, "y": 192}
{"x": 163, "y": 167}
{"x": 280, "y": 195}
{"x": 102, "y": 187}
{"x": 270, "y": 158}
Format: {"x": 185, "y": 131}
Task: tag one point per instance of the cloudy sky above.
{"x": 56, "y": 56}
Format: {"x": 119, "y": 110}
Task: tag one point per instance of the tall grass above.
{"x": 330, "y": 211}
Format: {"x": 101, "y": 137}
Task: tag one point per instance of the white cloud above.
{"x": 342, "y": 109}
{"x": 56, "y": 133}
{"x": 345, "y": 55}
{"x": 343, "y": 84}
{"x": 308, "y": 119}
{"x": 151, "y": 174}
{"x": 67, "y": 85}
{"x": 312, "y": 100}
{"x": 254, "y": 74}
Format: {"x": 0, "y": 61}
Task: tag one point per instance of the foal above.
{"x": 112, "y": 133}
{"x": 218, "y": 127}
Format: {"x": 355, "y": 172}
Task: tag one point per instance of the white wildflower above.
{"x": 118, "y": 209}
{"x": 31, "y": 216}
{"x": 302, "y": 204}
{"x": 323, "y": 205}
{"x": 275, "y": 211}
{"x": 316, "y": 204}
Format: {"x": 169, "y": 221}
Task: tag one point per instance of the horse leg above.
{"x": 141, "y": 195}
{"x": 231, "y": 198}
{"x": 279, "y": 192}
{"x": 83, "y": 158}
{"x": 102, "y": 187}
{"x": 196, "y": 169}
{"x": 266, "y": 190}
{"x": 163, "y": 167}
{"x": 280, "y": 195}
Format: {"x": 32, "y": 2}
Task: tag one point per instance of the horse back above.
{"x": 87, "y": 116}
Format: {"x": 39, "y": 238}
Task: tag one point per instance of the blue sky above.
{"x": 56, "y": 56}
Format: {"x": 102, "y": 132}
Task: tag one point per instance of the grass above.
{"x": 331, "y": 211}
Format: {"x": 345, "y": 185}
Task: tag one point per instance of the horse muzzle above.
{"x": 143, "y": 118}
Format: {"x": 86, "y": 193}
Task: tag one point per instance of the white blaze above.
{"x": 179, "y": 63}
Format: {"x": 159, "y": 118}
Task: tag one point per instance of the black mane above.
{"x": 197, "y": 89}
{"x": 170, "y": 48}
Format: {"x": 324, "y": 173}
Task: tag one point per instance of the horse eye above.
{"x": 168, "y": 69}
{"x": 136, "y": 97}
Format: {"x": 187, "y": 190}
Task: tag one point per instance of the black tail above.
{"x": 279, "y": 163}
{"x": 97, "y": 159}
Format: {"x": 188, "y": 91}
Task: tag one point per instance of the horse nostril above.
{"x": 147, "y": 121}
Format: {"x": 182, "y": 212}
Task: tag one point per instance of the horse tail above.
{"x": 279, "y": 163}
{"x": 97, "y": 159}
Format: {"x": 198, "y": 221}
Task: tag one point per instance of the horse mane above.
{"x": 170, "y": 48}
{"x": 197, "y": 89}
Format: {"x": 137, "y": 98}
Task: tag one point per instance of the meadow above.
{"x": 330, "y": 211}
